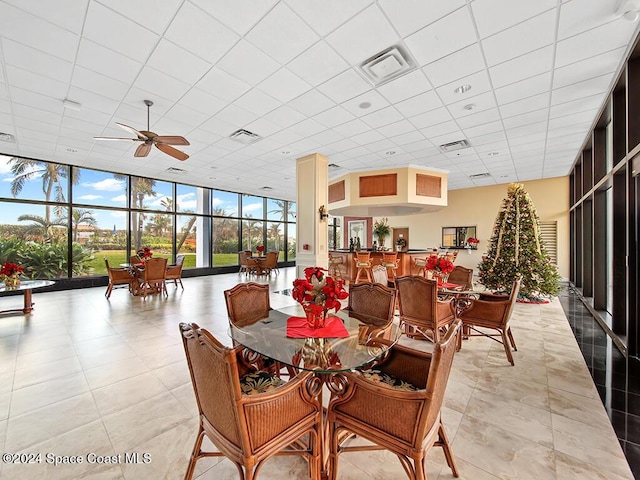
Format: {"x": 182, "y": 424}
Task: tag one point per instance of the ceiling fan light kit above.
{"x": 149, "y": 138}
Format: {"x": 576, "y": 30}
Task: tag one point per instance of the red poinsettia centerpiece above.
{"x": 10, "y": 269}
{"x": 473, "y": 241}
{"x": 439, "y": 264}
{"x": 318, "y": 293}
{"x": 260, "y": 249}
{"x": 144, "y": 253}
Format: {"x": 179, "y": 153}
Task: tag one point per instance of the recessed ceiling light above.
{"x": 390, "y": 152}
{"x": 462, "y": 89}
{"x": 492, "y": 154}
{"x": 470, "y": 106}
{"x": 365, "y": 105}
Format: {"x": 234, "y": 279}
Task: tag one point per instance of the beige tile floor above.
{"x": 84, "y": 376}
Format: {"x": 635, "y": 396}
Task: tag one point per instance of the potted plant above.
{"x": 381, "y": 229}
{"x": 401, "y": 243}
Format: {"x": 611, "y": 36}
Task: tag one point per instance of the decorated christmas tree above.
{"x": 516, "y": 248}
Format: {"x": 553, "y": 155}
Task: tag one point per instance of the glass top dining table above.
{"x": 268, "y": 337}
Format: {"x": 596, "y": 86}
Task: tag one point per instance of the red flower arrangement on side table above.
{"x": 10, "y": 273}
{"x": 318, "y": 293}
{"x": 144, "y": 253}
{"x": 260, "y": 249}
{"x": 440, "y": 266}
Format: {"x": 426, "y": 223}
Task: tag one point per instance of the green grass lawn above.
{"x": 116, "y": 257}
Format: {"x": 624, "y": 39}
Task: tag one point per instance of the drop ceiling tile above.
{"x": 478, "y": 81}
{"x": 33, "y": 113}
{"x": 441, "y": 129}
{"x": 525, "y": 37}
{"x": 344, "y": 86}
{"x": 35, "y": 83}
{"x": 443, "y": 37}
{"x": 311, "y": 103}
{"x": 240, "y": 16}
{"x": 407, "y": 138}
{"x": 529, "y": 104}
{"x": 333, "y": 117}
{"x": 487, "y": 128}
{"x": 282, "y": 35}
{"x": 419, "y": 104}
{"x": 68, "y": 14}
{"x": 586, "y": 88}
{"x": 527, "y": 139}
{"x": 107, "y": 62}
{"x": 414, "y": 14}
{"x": 573, "y": 119}
{"x": 479, "y": 118}
{"x": 496, "y": 146}
{"x": 524, "y": 88}
{"x": 354, "y": 127}
{"x": 36, "y": 61}
{"x": 493, "y": 16}
{"x": 318, "y": 64}
{"x": 579, "y": 16}
{"x": 98, "y": 83}
{"x": 421, "y": 147}
{"x": 199, "y": 33}
{"x": 202, "y": 102}
{"x": 246, "y": 62}
{"x": 132, "y": 40}
{"x": 526, "y": 119}
{"x": 284, "y": 116}
{"x": 310, "y": 127}
{"x": 480, "y": 138}
{"x": 257, "y": 102}
{"x": 381, "y": 146}
{"x": 284, "y": 85}
{"x": 472, "y": 106}
{"x": 222, "y": 85}
{"x": 363, "y": 36}
{"x": 159, "y": 83}
{"x": 525, "y": 66}
{"x": 397, "y": 128}
{"x": 177, "y": 62}
{"x": 580, "y": 105}
{"x": 188, "y": 116}
{"x": 236, "y": 116}
{"x": 382, "y": 117}
{"x": 367, "y": 137}
{"x": 594, "y": 42}
{"x": 433, "y": 117}
{"x": 516, "y": 132}
{"x": 92, "y": 101}
{"x": 591, "y": 67}
{"x": 457, "y": 65}
{"x": 138, "y": 10}
{"x": 407, "y": 86}
{"x": 326, "y": 16}
{"x": 372, "y": 97}
{"x": 25, "y": 28}
{"x": 219, "y": 127}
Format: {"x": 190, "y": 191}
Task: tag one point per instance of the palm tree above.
{"x": 42, "y": 226}
{"x": 80, "y": 216}
{"x": 24, "y": 170}
{"x": 140, "y": 188}
{"x": 280, "y": 210}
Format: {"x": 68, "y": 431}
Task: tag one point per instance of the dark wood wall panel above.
{"x": 600, "y": 250}
{"x": 336, "y": 192}
{"x": 587, "y": 248}
{"x": 428, "y": 186}
{"x": 379, "y": 185}
{"x": 633, "y": 102}
{"x": 599, "y": 154}
{"x": 619, "y": 322}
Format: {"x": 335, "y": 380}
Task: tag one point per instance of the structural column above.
{"x": 312, "y": 181}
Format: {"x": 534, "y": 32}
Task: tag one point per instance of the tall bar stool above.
{"x": 390, "y": 262}
{"x": 420, "y": 264}
{"x": 363, "y": 264}
{"x": 335, "y": 266}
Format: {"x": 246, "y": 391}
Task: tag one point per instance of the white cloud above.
{"x": 251, "y": 207}
{"x": 89, "y": 197}
{"x": 107, "y": 185}
{"x": 120, "y": 199}
{"x": 116, "y": 214}
{"x": 188, "y": 205}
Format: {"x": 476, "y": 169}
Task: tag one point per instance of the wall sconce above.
{"x": 323, "y": 213}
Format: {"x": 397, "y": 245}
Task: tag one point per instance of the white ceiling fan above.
{"x": 148, "y": 138}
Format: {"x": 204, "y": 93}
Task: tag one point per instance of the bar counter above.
{"x": 405, "y": 261}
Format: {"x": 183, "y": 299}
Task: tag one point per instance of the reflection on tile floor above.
{"x": 616, "y": 378}
{"x": 84, "y": 375}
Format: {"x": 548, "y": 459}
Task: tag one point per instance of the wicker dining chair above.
{"x": 247, "y": 303}
{"x": 373, "y": 304}
{"x": 153, "y": 277}
{"x": 174, "y": 272}
{"x": 117, "y": 276}
{"x": 462, "y": 276}
{"x": 248, "y": 416}
{"x": 493, "y": 313}
{"x": 396, "y": 406}
{"x": 420, "y": 309}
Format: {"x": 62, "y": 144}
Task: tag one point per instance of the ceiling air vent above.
{"x": 453, "y": 146}
{"x": 333, "y": 165}
{"x": 7, "y": 137}
{"x": 479, "y": 175}
{"x": 175, "y": 170}
{"x": 387, "y": 65}
{"x": 245, "y": 136}
{"x": 265, "y": 188}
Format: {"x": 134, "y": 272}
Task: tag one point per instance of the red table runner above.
{"x": 449, "y": 285}
{"x": 297, "y": 327}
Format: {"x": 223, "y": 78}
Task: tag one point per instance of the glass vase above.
{"x": 12, "y": 281}
{"x": 316, "y": 317}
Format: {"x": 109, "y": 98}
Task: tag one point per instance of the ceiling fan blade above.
{"x": 172, "y": 140}
{"x": 117, "y": 138}
{"x": 132, "y": 130}
{"x": 143, "y": 150}
{"x": 175, "y": 153}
